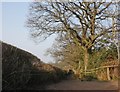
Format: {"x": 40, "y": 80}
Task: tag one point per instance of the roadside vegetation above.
{"x": 22, "y": 70}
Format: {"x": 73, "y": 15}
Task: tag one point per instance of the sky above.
{"x": 14, "y": 32}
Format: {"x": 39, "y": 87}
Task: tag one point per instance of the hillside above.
{"x": 21, "y": 69}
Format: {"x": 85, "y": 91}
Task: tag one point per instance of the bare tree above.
{"x": 83, "y": 22}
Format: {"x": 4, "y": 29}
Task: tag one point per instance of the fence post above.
{"x": 108, "y": 73}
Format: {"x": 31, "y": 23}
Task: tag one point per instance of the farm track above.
{"x": 83, "y": 85}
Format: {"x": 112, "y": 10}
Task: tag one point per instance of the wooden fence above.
{"x": 106, "y": 72}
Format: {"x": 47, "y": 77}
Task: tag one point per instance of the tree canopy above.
{"x": 87, "y": 24}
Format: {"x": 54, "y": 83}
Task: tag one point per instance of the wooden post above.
{"x": 108, "y": 73}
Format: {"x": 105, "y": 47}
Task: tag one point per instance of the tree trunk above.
{"x": 86, "y": 56}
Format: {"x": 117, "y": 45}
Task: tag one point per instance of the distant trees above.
{"x": 86, "y": 24}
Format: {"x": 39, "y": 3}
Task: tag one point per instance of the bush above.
{"x": 89, "y": 77}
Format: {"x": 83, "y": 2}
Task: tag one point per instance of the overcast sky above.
{"x": 14, "y": 16}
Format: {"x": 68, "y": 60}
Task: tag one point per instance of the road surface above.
{"x": 83, "y": 85}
